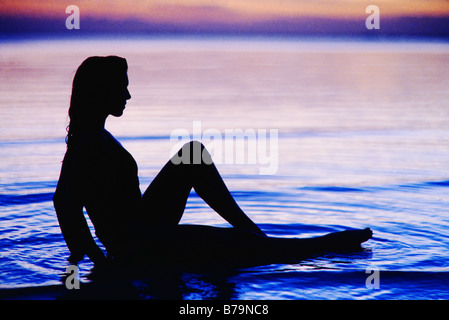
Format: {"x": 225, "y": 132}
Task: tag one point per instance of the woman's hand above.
{"x": 97, "y": 256}
{"x": 75, "y": 258}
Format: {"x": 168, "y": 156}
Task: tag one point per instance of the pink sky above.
{"x": 231, "y": 11}
{"x": 265, "y": 16}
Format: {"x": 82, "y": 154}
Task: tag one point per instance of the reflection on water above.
{"x": 363, "y": 141}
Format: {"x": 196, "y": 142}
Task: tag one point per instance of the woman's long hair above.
{"x": 93, "y": 81}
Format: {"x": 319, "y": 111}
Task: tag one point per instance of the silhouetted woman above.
{"x": 101, "y": 176}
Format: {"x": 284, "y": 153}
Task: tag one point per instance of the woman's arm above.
{"x": 69, "y": 210}
{"x": 76, "y": 232}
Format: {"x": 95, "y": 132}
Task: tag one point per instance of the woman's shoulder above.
{"x": 90, "y": 141}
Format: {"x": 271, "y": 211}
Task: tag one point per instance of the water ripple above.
{"x": 22, "y": 199}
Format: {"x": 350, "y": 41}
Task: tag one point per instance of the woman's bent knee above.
{"x": 193, "y": 152}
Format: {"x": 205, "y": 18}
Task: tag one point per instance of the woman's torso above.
{"x": 111, "y": 195}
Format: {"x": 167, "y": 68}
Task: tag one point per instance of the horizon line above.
{"x": 406, "y": 26}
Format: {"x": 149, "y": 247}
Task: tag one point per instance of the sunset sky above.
{"x": 236, "y": 15}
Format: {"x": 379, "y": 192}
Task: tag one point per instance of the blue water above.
{"x": 363, "y": 142}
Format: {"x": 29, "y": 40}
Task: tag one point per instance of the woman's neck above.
{"x": 97, "y": 123}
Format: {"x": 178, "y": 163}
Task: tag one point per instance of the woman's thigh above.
{"x": 164, "y": 200}
{"x": 193, "y": 244}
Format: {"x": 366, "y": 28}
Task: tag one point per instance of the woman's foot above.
{"x": 347, "y": 240}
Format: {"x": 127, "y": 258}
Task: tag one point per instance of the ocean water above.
{"x": 362, "y": 141}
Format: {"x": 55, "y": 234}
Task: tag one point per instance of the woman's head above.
{"x": 99, "y": 89}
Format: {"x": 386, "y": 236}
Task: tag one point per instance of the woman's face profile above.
{"x": 117, "y": 96}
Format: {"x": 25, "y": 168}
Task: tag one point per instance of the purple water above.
{"x": 363, "y": 141}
